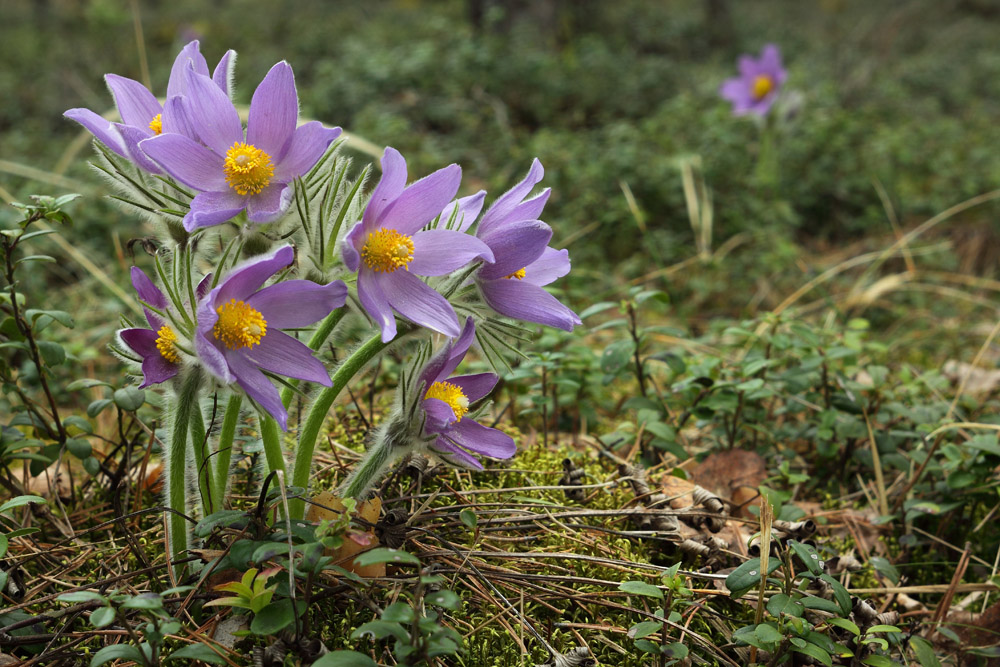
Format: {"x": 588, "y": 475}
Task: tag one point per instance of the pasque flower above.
{"x": 142, "y": 115}
{"x": 238, "y": 333}
{"x": 446, "y": 401}
{"x": 758, "y": 85}
{"x": 388, "y": 250}
{"x": 233, "y": 171}
{"x": 523, "y": 261}
{"x": 155, "y": 345}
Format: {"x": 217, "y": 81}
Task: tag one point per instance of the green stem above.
{"x": 371, "y": 467}
{"x": 224, "y": 453}
{"x": 319, "y": 337}
{"x": 271, "y": 435}
{"x": 204, "y": 471}
{"x": 177, "y": 458}
{"x": 320, "y": 408}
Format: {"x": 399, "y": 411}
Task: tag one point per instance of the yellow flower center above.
{"x": 165, "y": 339}
{"x": 156, "y": 125}
{"x": 519, "y": 274}
{"x": 452, "y": 395}
{"x": 387, "y": 250}
{"x": 762, "y": 85}
{"x": 239, "y": 325}
{"x": 248, "y": 169}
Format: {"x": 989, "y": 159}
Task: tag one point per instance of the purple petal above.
{"x": 203, "y": 287}
{"x": 274, "y": 111}
{"x": 175, "y": 118}
{"x": 388, "y": 189}
{"x": 524, "y": 301}
{"x": 190, "y": 56}
{"x": 269, "y": 203}
{"x": 147, "y": 289}
{"x": 281, "y": 354}
{"x": 205, "y": 346}
{"x": 530, "y": 209}
{"x": 770, "y": 62}
{"x": 476, "y": 386}
{"x": 142, "y": 341}
{"x": 455, "y": 455}
{"x": 422, "y": 201}
{"x": 156, "y": 369}
{"x": 748, "y": 67}
{"x": 437, "y": 252}
{"x": 257, "y": 386}
{"x": 298, "y": 303}
{"x": 371, "y": 292}
{"x": 439, "y": 413}
{"x": 413, "y": 299}
{"x": 102, "y": 129}
{"x": 468, "y": 209}
{"x": 515, "y": 246}
{"x": 188, "y": 161}
{"x": 223, "y": 74}
{"x": 349, "y": 247}
{"x": 212, "y": 114}
{"x": 213, "y": 208}
{"x": 136, "y": 105}
{"x": 551, "y": 265}
{"x": 507, "y": 202}
{"x": 307, "y": 146}
{"x": 132, "y": 136}
{"x": 447, "y": 360}
{"x": 475, "y": 437}
{"x": 246, "y": 279}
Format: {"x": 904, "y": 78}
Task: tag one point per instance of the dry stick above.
{"x": 883, "y": 502}
{"x": 766, "y": 519}
{"x": 942, "y": 609}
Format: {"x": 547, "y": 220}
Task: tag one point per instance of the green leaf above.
{"x": 344, "y": 659}
{"x": 807, "y": 554}
{"x": 383, "y": 555}
{"x": 768, "y": 634}
{"x": 616, "y": 356}
{"x": 647, "y": 646}
{"x": 116, "y": 652}
{"x": 198, "y": 652}
{"x": 782, "y": 604}
{"x": 97, "y": 407}
{"x": 924, "y": 652}
{"x": 102, "y": 617}
{"x": 644, "y": 629}
{"x": 79, "y": 423}
{"x": 845, "y": 624}
{"x": 816, "y": 652}
{"x": 885, "y": 568}
{"x": 19, "y": 501}
{"x": 144, "y": 601}
{"x": 91, "y": 465}
{"x": 129, "y": 399}
{"x": 445, "y": 598}
{"x": 399, "y": 612}
{"x": 840, "y": 593}
{"x": 597, "y": 308}
{"x": 877, "y": 661}
{"x": 34, "y": 258}
{"x": 381, "y": 630}
{"x": 812, "y": 602}
{"x": 41, "y": 318}
{"x": 81, "y": 596}
{"x": 469, "y": 518}
{"x": 675, "y": 651}
{"x": 219, "y": 519}
{"x": 882, "y": 628}
{"x": 81, "y": 449}
{"x": 53, "y": 354}
{"x": 641, "y": 588}
{"x": 747, "y": 575}
{"x": 273, "y": 618}
{"x": 85, "y": 383}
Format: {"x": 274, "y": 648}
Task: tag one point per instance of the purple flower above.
{"x": 389, "y": 251}
{"x": 446, "y": 401}
{"x": 238, "y": 337}
{"x": 160, "y": 358}
{"x": 234, "y": 172}
{"x": 512, "y": 285}
{"x": 758, "y": 84}
{"x": 141, "y": 113}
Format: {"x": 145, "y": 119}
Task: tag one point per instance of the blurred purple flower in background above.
{"x": 758, "y": 85}
{"x": 231, "y": 172}
{"x": 238, "y": 335}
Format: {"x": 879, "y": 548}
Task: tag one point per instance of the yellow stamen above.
{"x": 165, "y": 339}
{"x": 248, "y": 169}
{"x": 762, "y": 85}
{"x": 519, "y": 274}
{"x": 452, "y": 395}
{"x": 387, "y": 250}
{"x": 239, "y": 325}
{"x": 156, "y": 125}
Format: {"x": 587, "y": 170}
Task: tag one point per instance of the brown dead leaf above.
{"x": 354, "y": 543}
{"x": 733, "y": 474}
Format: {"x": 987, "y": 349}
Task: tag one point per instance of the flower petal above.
{"x": 475, "y": 437}
{"x": 257, "y": 386}
{"x": 102, "y": 129}
{"x": 437, "y": 252}
{"x": 465, "y": 210}
{"x": 371, "y": 292}
{"x": 530, "y": 209}
{"x": 297, "y": 303}
{"x": 506, "y": 202}
{"x": 349, "y": 247}
{"x": 190, "y": 56}
{"x": 175, "y": 118}
{"x": 281, "y": 354}
{"x": 203, "y": 287}
{"x": 515, "y": 246}
{"x": 274, "y": 111}
{"x": 388, "y": 189}
{"x": 136, "y": 105}
{"x": 422, "y": 201}
{"x": 455, "y": 455}
{"x": 212, "y": 114}
{"x": 147, "y": 289}
{"x": 186, "y": 160}
{"x": 213, "y": 208}
{"x": 551, "y": 265}
{"x": 770, "y": 62}
{"x": 223, "y": 74}
{"x": 246, "y": 279}
{"x": 141, "y": 341}
{"x": 205, "y": 347}
{"x": 416, "y": 301}
{"x": 156, "y": 369}
{"x": 307, "y": 146}
{"x": 269, "y": 203}
{"x": 439, "y": 414}
{"x": 476, "y": 386}
{"x": 524, "y": 301}
{"x": 132, "y": 136}
{"x": 447, "y": 360}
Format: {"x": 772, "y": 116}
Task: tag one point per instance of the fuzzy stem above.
{"x": 319, "y": 337}
{"x": 201, "y": 467}
{"x": 271, "y": 435}
{"x": 177, "y": 470}
{"x": 224, "y": 453}
{"x": 376, "y": 460}
{"x": 317, "y": 414}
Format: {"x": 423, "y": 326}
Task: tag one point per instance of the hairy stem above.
{"x": 177, "y": 456}
{"x": 271, "y": 435}
{"x": 224, "y": 453}
{"x": 199, "y": 445}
